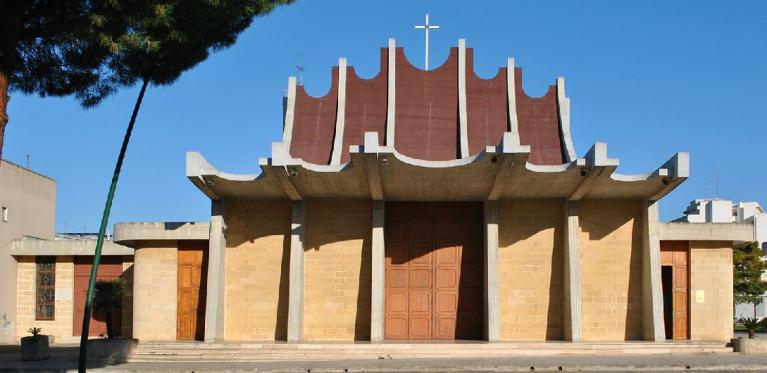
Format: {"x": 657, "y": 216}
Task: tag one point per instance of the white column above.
{"x": 492, "y": 316}
{"x": 338, "y": 140}
{"x": 296, "y": 281}
{"x": 377, "y": 290}
{"x": 652, "y": 297}
{"x": 215, "y": 304}
{"x": 573, "y": 324}
{"x": 391, "y": 93}
{"x": 463, "y": 127}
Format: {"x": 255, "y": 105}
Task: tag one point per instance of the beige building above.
{"x": 27, "y": 209}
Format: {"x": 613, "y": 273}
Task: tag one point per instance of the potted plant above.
{"x": 107, "y": 298}
{"x": 35, "y": 346}
{"x": 751, "y": 324}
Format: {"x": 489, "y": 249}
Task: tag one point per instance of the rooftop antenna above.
{"x": 300, "y": 68}
{"x": 717, "y": 179}
{"x": 426, "y": 27}
{"x": 28, "y": 162}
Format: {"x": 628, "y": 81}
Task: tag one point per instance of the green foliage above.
{"x": 34, "y": 331}
{"x": 92, "y": 48}
{"x": 747, "y": 273}
{"x": 750, "y": 323}
{"x": 109, "y": 295}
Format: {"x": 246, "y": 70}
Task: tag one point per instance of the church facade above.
{"x": 435, "y": 205}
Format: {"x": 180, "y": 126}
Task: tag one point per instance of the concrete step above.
{"x": 214, "y": 352}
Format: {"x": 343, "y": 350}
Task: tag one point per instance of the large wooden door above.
{"x": 676, "y": 254}
{"x": 192, "y": 280}
{"x": 110, "y": 268}
{"x": 434, "y": 270}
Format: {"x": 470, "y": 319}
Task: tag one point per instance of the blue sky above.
{"x": 649, "y": 77}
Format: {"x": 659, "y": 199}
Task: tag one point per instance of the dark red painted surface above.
{"x": 365, "y": 106}
{"x": 314, "y": 124}
{"x": 539, "y": 124}
{"x": 427, "y": 122}
{"x": 427, "y": 109}
{"x": 487, "y": 107}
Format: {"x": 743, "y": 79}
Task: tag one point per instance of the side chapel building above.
{"x": 435, "y": 205}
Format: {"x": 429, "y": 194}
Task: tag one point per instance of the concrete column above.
{"x": 296, "y": 281}
{"x": 215, "y": 304}
{"x": 573, "y": 323}
{"x": 492, "y": 316}
{"x": 377, "y": 290}
{"x": 652, "y": 297}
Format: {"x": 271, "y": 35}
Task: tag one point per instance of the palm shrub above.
{"x": 108, "y": 297}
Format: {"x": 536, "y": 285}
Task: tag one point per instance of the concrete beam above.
{"x": 391, "y": 93}
{"x": 377, "y": 290}
{"x": 214, "y": 302}
{"x": 512, "y": 159}
{"x": 131, "y": 233}
{"x": 338, "y": 140}
{"x": 736, "y": 232}
{"x": 511, "y": 95}
{"x": 595, "y": 165}
{"x": 573, "y": 320}
{"x": 35, "y": 247}
{"x": 290, "y": 108}
{"x": 492, "y": 282}
{"x": 563, "y": 104}
{"x": 371, "y": 165}
{"x": 673, "y": 172}
{"x": 296, "y": 281}
{"x": 652, "y": 297}
{"x": 463, "y": 127}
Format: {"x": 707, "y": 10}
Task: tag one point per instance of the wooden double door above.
{"x": 192, "y": 287}
{"x": 675, "y": 274}
{"x": 434, "y": 270}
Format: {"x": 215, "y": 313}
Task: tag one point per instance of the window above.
{"x": 4, "y": 214}
{"x": 46, "y": 288}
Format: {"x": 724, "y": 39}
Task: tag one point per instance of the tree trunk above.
{"x": 108, "y": 320}
{"x": 4, "y": 85}
{"x": 10, "y": 23}
{"x": 83, "y": 358}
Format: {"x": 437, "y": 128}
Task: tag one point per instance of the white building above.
{"x": 715, "y": 210}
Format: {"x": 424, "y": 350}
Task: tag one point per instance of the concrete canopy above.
{"x": 354, "y": 154}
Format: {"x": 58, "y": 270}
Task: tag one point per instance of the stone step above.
{"x": 215, "y": 352}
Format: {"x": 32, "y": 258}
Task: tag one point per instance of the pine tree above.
{"x": 748, "y": 266}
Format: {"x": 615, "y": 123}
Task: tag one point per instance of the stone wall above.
{"x": 611, "y": 269}
{"x": 155, "y": 285}
{"x": 337, "y": 270}
{"x": 61, "y": 326}
{"x": 257, "y": 259}
{"x": 530, "y": 265}
{"x": 711, "y": 296}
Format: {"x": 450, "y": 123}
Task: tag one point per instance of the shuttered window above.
{"x": 46, "y": 288}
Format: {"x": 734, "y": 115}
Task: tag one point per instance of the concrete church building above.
{"x": 435, "y": 205}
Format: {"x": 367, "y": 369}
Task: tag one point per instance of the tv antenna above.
{"x": 300, "y": 69}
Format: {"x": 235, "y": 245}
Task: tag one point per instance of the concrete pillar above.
{"x": 492, "y": 315}
{"x": 296, "y": 281}
{"x": 377, "y": 290}
{"x": 215, "y": 304}
{"x": 573, "y": 319}
{"x": 652, "y": 297}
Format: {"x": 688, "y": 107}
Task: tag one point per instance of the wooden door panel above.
{"x": 676, "y": 254}
{"x": 434, "y": 270}
{"x": 192, "y": 276}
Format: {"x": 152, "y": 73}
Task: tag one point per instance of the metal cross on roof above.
{"x": 426, "y": 26}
